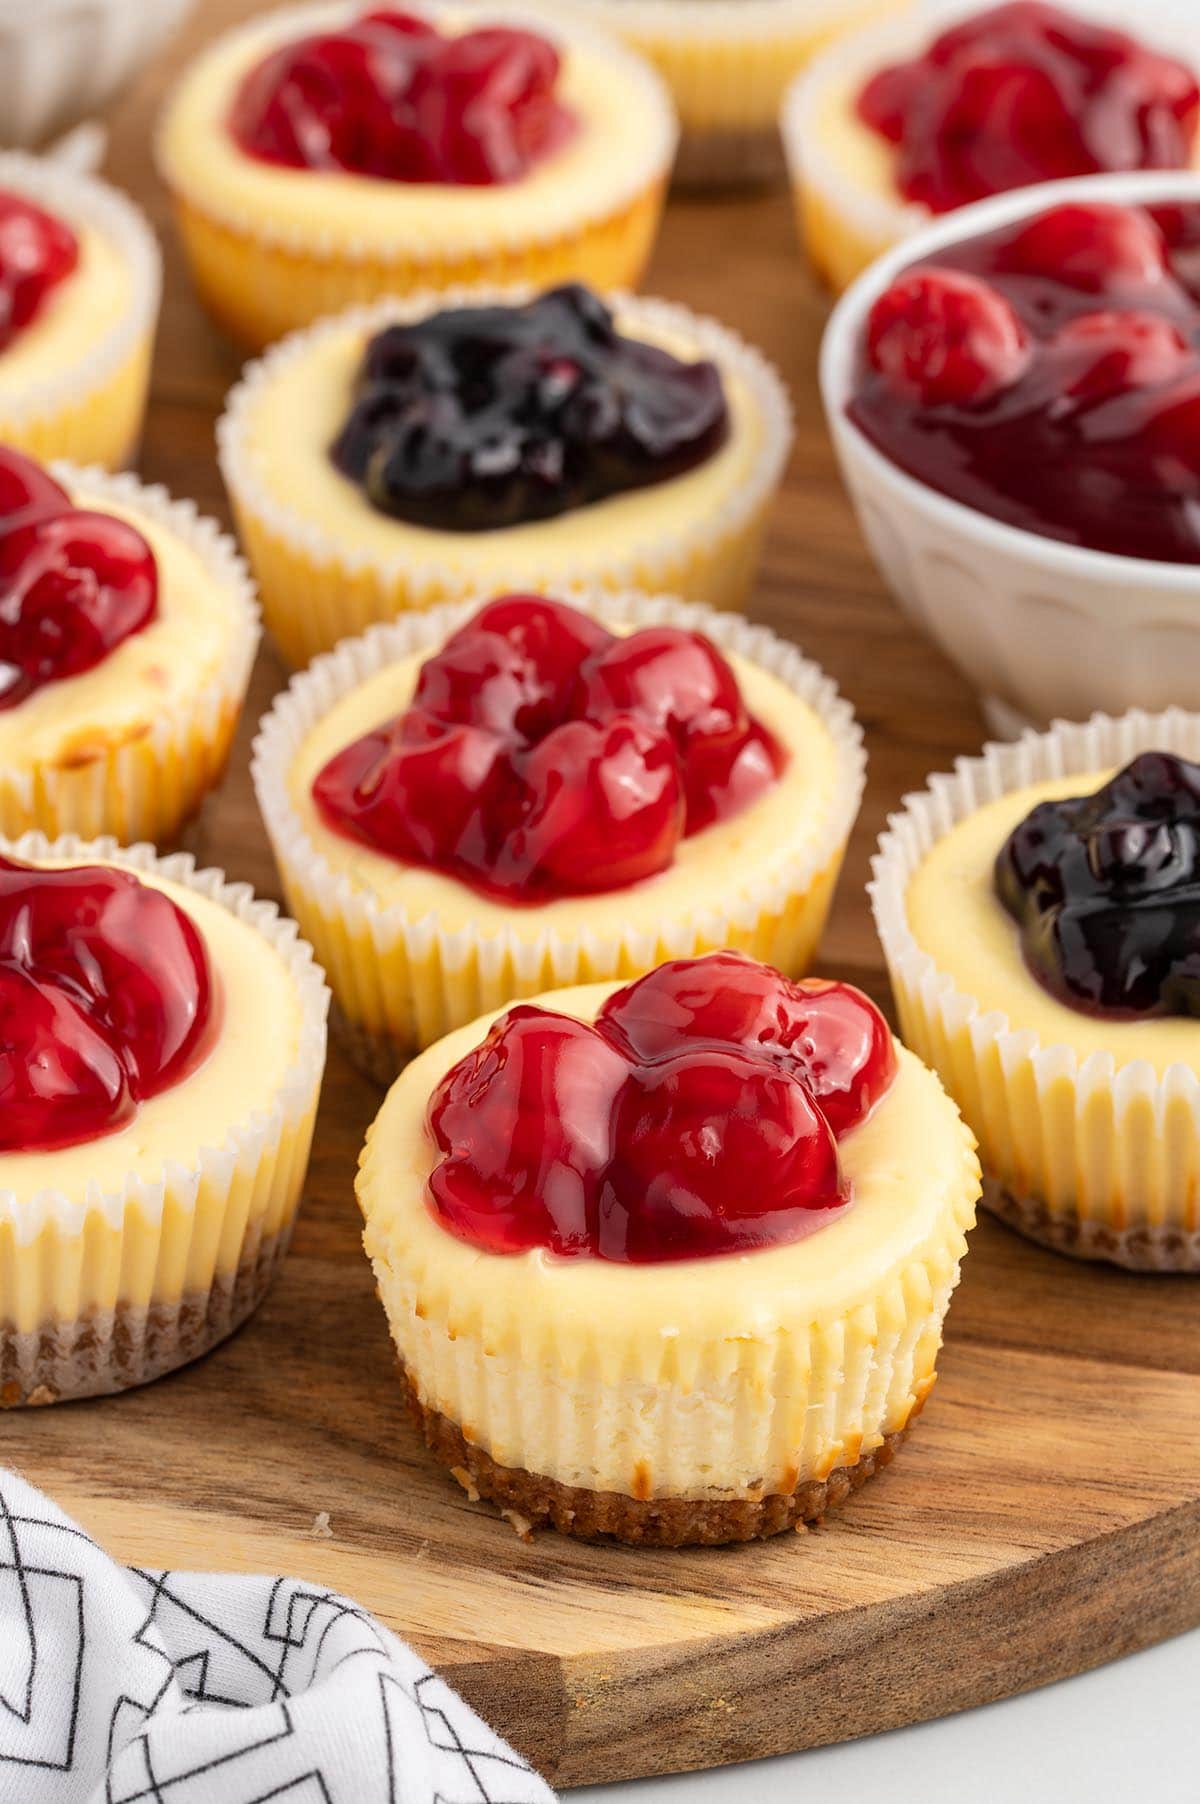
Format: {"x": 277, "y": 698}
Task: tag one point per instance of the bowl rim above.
{"x": 840, "y": 339}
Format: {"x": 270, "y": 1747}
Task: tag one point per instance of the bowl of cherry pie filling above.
{"x": 667, "y": 1262}
{"x": 1015, "y": 400}
{"x": 1038, "y": 912}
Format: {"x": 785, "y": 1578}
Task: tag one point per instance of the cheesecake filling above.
{"x": 74, "y": 584}
{"x": 544, "y": 756}
{"x": 391, "y": 97}
{"x": 106, "y": 1000}
{"x": 1026, "y": 93}
{"x": 1105, "y": 889}
{"x": 480, "y": 418}
{"x": 1047, "y": 374}
{"x": 700, "y": 1114}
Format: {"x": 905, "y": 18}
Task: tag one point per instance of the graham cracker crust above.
{"x": 1145, "y": 1248}
{"x": 532, "y": 1501}
{"x": 113, "y": 1350}
{"x": 373, "y": 1055}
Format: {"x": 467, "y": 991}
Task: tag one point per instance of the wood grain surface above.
{"x": 1045, "y": 1515}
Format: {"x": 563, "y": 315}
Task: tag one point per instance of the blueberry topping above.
{"x": 1106, "y": 891}
{"x": 486, "y": 417}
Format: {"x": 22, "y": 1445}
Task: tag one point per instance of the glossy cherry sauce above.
{"x": 388, "y": 95}
{"x": 37, "y": 253}
{"x": 73, "y": 584}
{"x": 1029, "y": 93}
{"x": 544, "y": 756}
{"x": 1047, "y": 374}
{"x": 106, "y": 999}
{"x": 699, "y": 1115}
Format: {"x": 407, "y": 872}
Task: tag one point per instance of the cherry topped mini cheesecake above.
{"x": 1040, "y": 919}
{"x": 471, "y": 804}
{"x": 395, "y": 458}
{"x": 79, "y": 290}
{"x": 887, "y": 132}
{"x": 335, "y": 153}
{"x": 669, "y": 1262}
{"x": 161, "y": 1046}
{"x": 127, "y": 632}
{"x": 1047, "y": 374}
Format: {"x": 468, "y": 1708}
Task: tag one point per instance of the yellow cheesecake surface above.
{"x": 957, "y": 918}
{"x": 77, "y": 316}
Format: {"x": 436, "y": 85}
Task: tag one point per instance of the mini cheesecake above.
{"x": 1038, "y": 914}
{"x": 669, "y": 1263}
{"x": 80, "y": 276}
{"x": 127, "y": 634}
{"x": 398, "y": 457}
{"x": 329, "y": 154}
{"x": 479, "y": 802}
{"x": 162, "y": 1040}
{"x": 888, "y": 129}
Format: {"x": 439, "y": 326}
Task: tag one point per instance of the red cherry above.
{"x": 37, "y": 252}
{"x": 716, "y": 1151}
{"x": 61, "y": 1080}
{"x": 388, "y": 96}
{"x": 1093, "y": 246}
{"x": 73, "y": 586}
{"x": 605, "y": 806}
{"x": 105, "y": 1000}
{"x": 418, "y": 789}
{"x": 946, "y": 338}
{"x": 1116, "y": 350}
{"x": 830, "y": 1034}
{"x": 512, "y": 668}
{"x": 26, "y": 489}
{"x": 525, "y": 1124}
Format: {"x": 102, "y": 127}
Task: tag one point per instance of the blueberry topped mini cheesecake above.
{"x": 1042, "y": 930}
{"x": 127, "y": 631}
{"x": 79, "y": 291}
{"x": 887, "y": 130}
{"x": 396, "y": 458}
{"x": 335, "y": 153}
{"x": 469, "y": 805}
{"x": 162, "y": 1038}
{"x": 668, "y": 1262}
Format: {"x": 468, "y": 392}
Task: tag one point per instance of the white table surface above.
{"x": 1128, "y": 1733}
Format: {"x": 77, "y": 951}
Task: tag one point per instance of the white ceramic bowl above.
{"x": 1043, "y": 629}
{"x": 62, "y": 60}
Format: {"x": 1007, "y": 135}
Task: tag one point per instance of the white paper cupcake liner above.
{"x": 106, "y": 1290}
{"x": 727, "y": 68}
{"x": 1093, "y": 1156}
{"x": 402, "y": 981}
{"x": 55, "y": 417}
{"x": 147, "y": 786}
{"x": 317, "y": 589}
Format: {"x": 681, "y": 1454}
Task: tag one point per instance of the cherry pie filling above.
{"x": 543, "y": 756}
{"x": 73, "y": 584}
{"x": 1047, "y": 374}
{"x": 699, "y": 1115}
{"x": 106, "y": 999}
{"x": 1105, "y": 890}
{"x": 479, "y": 418}
{"x": 389, "y": 96}
{"x": 37, "y": 253}
{"x": 1028, "y": 93}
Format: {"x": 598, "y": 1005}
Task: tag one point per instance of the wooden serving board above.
{"x": 1044, "y": 1517}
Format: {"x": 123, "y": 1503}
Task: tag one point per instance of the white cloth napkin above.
{"x": 119, "y": 1686}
